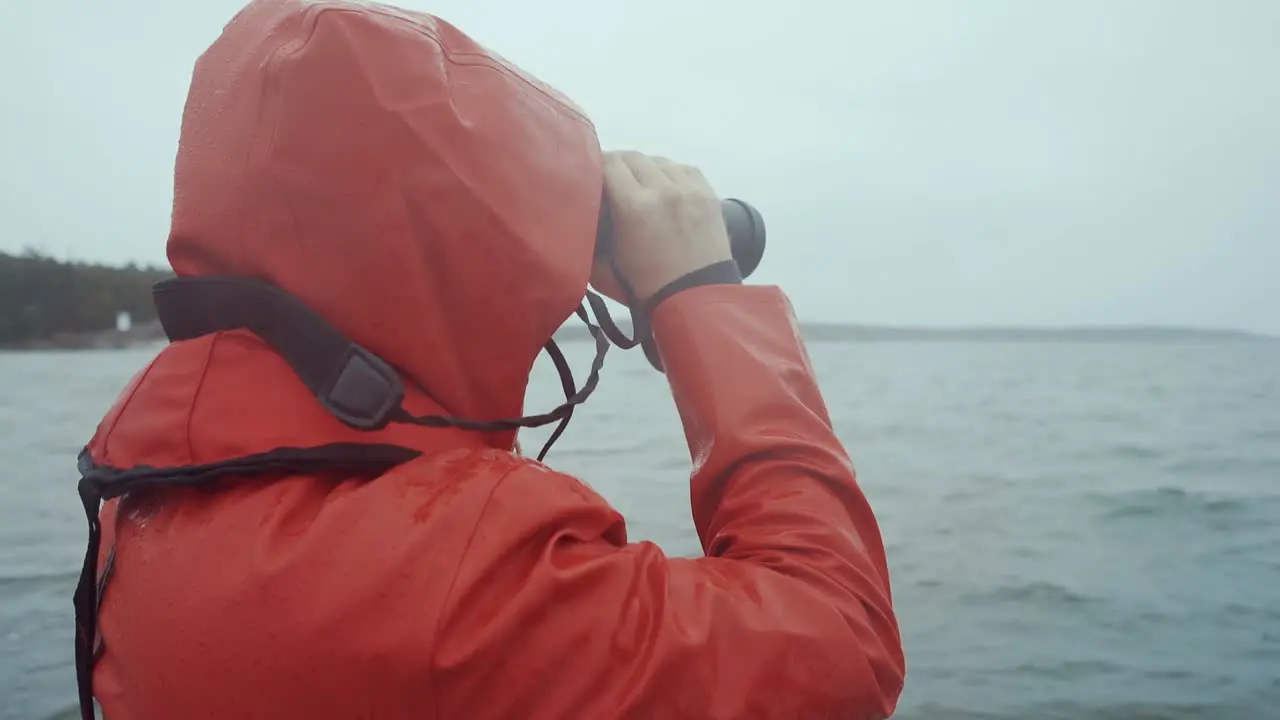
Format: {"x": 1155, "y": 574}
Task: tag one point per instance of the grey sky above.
{"x": 945, "y": 162}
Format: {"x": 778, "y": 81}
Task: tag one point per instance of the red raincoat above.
{"x": 439, "y": 207}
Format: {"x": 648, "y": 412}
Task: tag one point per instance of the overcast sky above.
{"x": 944, "y": 162}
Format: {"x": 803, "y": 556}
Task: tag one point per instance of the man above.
{"x": 278, "y": 557}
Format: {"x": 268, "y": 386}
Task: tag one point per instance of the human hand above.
{"x": 667, "y": 223}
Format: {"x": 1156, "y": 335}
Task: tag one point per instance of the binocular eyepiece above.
{"x": 744, "y": 223}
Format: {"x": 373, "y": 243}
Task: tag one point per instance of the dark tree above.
{"x": 42, "y": 297}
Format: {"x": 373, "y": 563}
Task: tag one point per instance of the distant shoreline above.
{"x": 841, "y": 332}
{"x": 51, "y": 304}
{"x": 151, "y": 332}
{"x": 143, "y": 334}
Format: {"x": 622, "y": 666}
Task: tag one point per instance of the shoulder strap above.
{"x": 98, "y": 483}
{"x": 358, "y": 387}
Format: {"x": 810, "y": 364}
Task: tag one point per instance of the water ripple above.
{"x": 1167, "y": 502}
{"x": 1042, "y": 594}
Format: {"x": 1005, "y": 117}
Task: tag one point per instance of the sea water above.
{"x": 1074, "y": 530}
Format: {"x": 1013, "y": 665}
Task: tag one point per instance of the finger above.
{"x": 689, "y": 176}
{"x": 618, "y": 178}
{"x": 673, "y": 170}
{"x": 646, "y": 170}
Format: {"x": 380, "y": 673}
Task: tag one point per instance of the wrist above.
{"x": 649, "y": 282}
{"x": 724, "y": 272}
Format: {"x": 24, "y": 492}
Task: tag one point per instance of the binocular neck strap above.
{"x": 721, "y": 273}
{"x": 356, "y": 386}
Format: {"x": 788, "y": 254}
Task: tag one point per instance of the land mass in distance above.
{"x": 575, "y": 331}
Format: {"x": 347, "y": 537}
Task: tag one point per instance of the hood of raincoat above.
{"x": 430, "y": 200}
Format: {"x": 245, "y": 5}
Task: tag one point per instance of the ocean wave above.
{"x": 70, "y": 712}
{"x": 12, "y": 582}
{"x": 1069, "y": 670}
{"x": 1169, "y": 502}
{"x": 1067, "y": 710}
{"x": 1134, "y": 451}
{"x": 1038, "y": 593}
{"x": 1257, "y": 465}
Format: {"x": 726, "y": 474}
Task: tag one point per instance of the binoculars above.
{"x": 744, "y": 223}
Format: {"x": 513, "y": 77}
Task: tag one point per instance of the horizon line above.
{"x": 972, "y": 330}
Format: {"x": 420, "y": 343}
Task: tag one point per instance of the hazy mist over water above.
{"x": 1075, "y": 530}
{"x": 918, "y": 163}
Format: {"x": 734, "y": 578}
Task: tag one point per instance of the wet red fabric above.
{"x": 439, "y": 207}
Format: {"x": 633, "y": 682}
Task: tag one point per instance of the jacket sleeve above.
{"x": 554, "y": 614}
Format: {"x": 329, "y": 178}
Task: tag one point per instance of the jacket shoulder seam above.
{"x": 453, "y": 580}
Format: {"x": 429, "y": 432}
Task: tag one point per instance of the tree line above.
{"x": 42, "y": 297}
